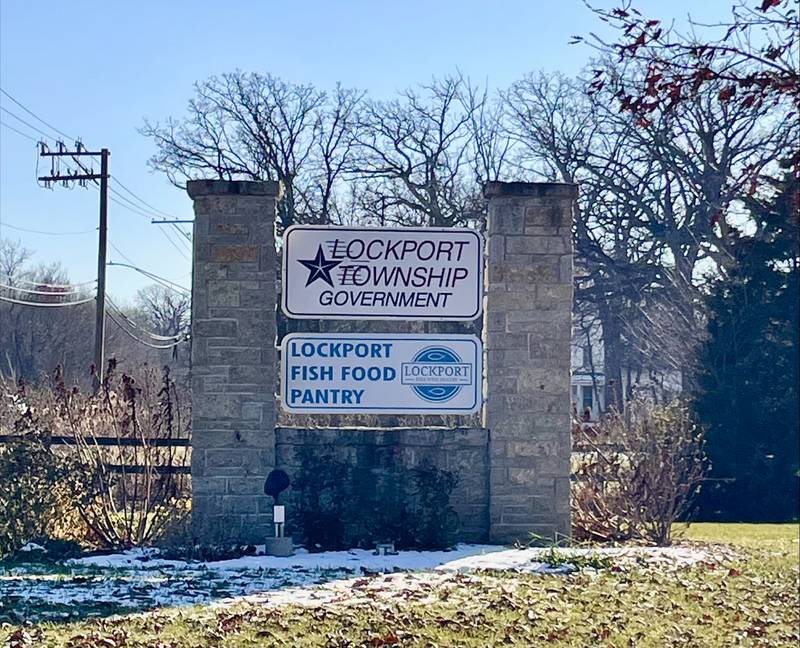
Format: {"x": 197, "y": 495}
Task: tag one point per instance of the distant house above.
{"x": 589, "y": 381}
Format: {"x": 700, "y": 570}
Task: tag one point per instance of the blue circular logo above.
{"x": 436, "y": 393}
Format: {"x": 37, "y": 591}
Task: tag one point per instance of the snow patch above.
{"x": 138, "y": 579}
{"x": 130, "y": 559}
{"x": 540, "y": 560}
{"x": 32, "y": 546}
{"x": 352, "y": 560}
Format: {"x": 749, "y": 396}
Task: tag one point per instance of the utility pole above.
{"x": 100, "y": 311}
{"x": 82, "y": 178}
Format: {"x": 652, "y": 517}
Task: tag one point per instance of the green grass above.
{"x": 744, "y": 535}
{"x": 751, "y": 601}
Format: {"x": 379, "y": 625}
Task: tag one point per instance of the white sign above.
{"x": 382, "y": 273}
{"x": 381, "y": 373}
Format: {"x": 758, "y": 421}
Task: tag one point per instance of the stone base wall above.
{"x": 379, "y": 459}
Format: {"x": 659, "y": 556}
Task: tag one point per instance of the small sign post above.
{"x": 415, "y": 273}
{"x": 381, "y": 373}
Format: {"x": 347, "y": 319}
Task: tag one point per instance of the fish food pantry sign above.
{"x": 384, "y": 374}
{"x": 513, "y": 471}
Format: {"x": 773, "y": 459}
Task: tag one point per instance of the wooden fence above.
{"x": 181, "y": 442}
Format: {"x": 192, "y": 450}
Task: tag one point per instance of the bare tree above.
{"x": 491, "y": 142}
{"x": 415, "y": 156}
{"x": 13, "y": 257}
{"x": 334, "y": 148}
{"x": 164, "y": 311}
{"x": 35, "y": 339}
{"x": 563, "y": 136}
{"x": 256, "y": 126}
{"x": 751, "y": 58}
{"x": 658, "y": 200}
{"x": 710, "y": 156}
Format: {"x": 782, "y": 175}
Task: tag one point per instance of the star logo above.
{"x": 319, "y": 268}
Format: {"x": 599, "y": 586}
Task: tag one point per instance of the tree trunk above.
{"x": 609, "y": 311}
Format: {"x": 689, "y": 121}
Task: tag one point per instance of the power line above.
{"x": 121, "y": 253}
{"x": 171, "y": 284}
{"x": 149, "y": 275}
{"x": 135, "y": 209}
{"x": 175, "y": 245}
{"x": 33, "y": 231}
{"x": 139, "y": 212}
{"x": 155, "y": 336}
{"x": 18, "y": 132}
{"x": 160, "y": 338}
{"x": 49, "y": 285}
{"x": 140, "y": 340}
{"x": 141, "y": 200}
{"x": 104, "y": 188}
{"x": 50, "y": 293}
{"x": 133, "y": 206}
{"x": 155, "y": 209}
{"x": 28, "y": 124}
{"x": 35, "y": 116}
{"x": 124, "y": 202}
{"x": 162, "y": 282}
{"x": 47, "y": 304}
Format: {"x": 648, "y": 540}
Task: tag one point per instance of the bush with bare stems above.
{"x": 119, "y": 441}
{"x": 638, "y": 473}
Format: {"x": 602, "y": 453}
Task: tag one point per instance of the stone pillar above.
{"x": 233, "y": 358}
{"x": 527, "y": 330}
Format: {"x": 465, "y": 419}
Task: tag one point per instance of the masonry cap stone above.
{"x": 533, "y": 189}
{"x": 197, "y": 188}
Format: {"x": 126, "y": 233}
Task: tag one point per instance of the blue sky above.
{"x": 97, "y": 69}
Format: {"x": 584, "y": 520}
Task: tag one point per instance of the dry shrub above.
{"x": 37, "y": 488}
{"x": 639, "y": 472}
{"x": 126, "y": 494}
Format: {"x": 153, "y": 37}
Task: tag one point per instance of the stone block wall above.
{"x": 527, "y": 324}
{"x": 380, "y": 457}
{"x": 513, "y": 472}
{"x": 233, "y": 358}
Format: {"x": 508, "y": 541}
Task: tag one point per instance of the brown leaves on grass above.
{"x": 752, "y": 601}
{"x": 389, "y": 639}
{"x": 96, "y": 639}
{"x": 20, "y": 638}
